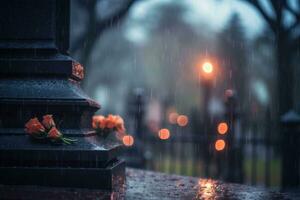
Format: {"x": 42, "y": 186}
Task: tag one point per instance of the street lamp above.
{"x": 207, "y": 72}
{"x": 207, "y": 67}
{"x": 207, "y": 75}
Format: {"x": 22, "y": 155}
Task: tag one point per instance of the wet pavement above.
{"x": 141, "y": 184}
{"x": 149, "y": 185}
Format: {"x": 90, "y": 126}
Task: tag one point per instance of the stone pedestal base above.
{"x": 95, "y": 178}
{"x": 90, "y": 163}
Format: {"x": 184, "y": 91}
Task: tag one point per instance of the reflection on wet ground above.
{"x": 151, "y": 185}
{"x": 143, "y": 184}
{"x": 206, "y": 189}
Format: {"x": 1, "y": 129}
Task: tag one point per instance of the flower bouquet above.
{"x": 105, "y": 125}
{"x": 46, "y": 130}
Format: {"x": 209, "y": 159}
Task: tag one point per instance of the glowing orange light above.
{"x": 128, "y": 140}
{"x": 173, "y": 117}
{"x": 220, "y": 145}
{"x": 207, "y": 67}
{"x": 182, "y": 120}
{"x": 222, "y": 128}
{"x": 164, "y": 134}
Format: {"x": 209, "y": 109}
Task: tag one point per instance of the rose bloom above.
{"x": 119, "y": 120}
{"x": 54, "y": 134}
{"x": 120, "y": 124}
{"x": 121, "y": 129}
{"x": 99, "y": 121}
{"x": 111, "y": 121}
{"x": 34, "y": 126}
{"x": 48, "y": 121}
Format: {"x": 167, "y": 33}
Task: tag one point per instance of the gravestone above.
{"x": 38, "y": 77}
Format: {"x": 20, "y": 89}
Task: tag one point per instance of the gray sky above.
{"x": 214, "y": 14}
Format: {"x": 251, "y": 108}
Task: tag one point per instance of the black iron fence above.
{"x": 258, "y": 151}
{"x": 256, "y": 160}
{"x": 254, "y": 156}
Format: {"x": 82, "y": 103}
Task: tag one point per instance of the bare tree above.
{"x": 287, "y": 38}
{"x": 233, "y": 47}
{"x": 117, "y": 10}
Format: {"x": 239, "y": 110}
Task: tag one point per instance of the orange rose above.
{"x": 34, "y": 126}
{"x": 121, "y": 129}
{"x": 114, "y": 122}
{"x": 48, "y": 121}
{"x": 99, "y": 121}
{"x": 102, "y": 123}
{"x": 120, "y": 124}
{"x": 111, "y": 121}
{"x": 119, "y": 120}
{"x": 54, "y": 134}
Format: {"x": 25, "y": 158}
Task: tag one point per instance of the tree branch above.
{"x": 102, "y": 24}
{"x": 269, "y": 19}
{"x": 114, "y": 18}
{"x": 278, "y": 7}
{"x": 292, "y": 11}
{"x": 295, "y": 14}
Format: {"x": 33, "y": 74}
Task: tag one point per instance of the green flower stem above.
{"x": 70, "y": 140}
{"x": 65, "y": 141}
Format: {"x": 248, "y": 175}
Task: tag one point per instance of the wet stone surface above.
{"x": 150, "y": 185}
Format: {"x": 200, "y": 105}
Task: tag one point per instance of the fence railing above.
{"x": 258, "y": 151}
{"x": 255, "y": 158}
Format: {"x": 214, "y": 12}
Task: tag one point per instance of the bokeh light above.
{"x": 220, "y": 145}
{"x": 128, "y": 140}
{"x": 164, "y": 134}
{"x": 182, "y": 120}
{"x": 173, "y": 117}
{"x": 222, "y": 128}
{"x": 229, "y": 93}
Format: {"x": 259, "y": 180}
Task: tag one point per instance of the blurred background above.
{"x": 201, "y": 84}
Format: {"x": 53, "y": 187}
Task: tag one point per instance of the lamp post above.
{"x": 207, "y": 75}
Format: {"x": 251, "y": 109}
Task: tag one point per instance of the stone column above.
{"x": 38, "y": 77}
